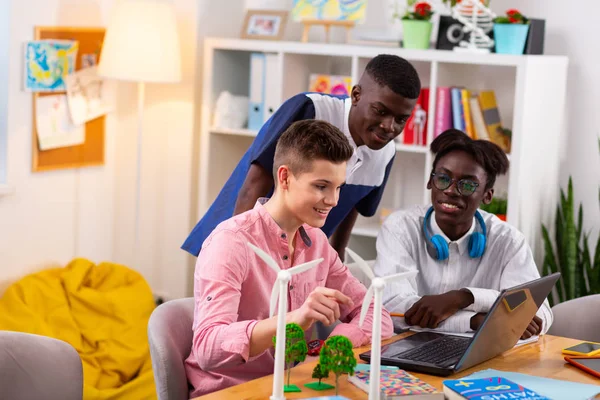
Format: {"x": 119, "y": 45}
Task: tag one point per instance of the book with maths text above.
{"x": 494, "y": 388}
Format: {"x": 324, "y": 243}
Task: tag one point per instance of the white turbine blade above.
{"x": 274, "y": 297}
{"x": 266, "y": 258}
{"x": 395, "y": 277}
{"x": 304, "y": 267}
{"x": 365, "y": 305}
{"x": 361, "y": 263}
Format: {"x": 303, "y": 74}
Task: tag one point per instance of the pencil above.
{"x": 393, "y": 314}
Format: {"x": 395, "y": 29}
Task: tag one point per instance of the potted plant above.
{"x": 497, "y": 207}
{"x": 570, "y": 253}
{"x": 510, "y": 32}
{"x": 416, "y": 25}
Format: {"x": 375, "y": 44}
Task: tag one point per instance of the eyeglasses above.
{"x": 466, "y": 187}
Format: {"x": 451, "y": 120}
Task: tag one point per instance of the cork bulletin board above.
{"x": 91, "y": 152}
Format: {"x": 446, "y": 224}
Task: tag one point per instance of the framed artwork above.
{"x": 264, "y": 24}
{"x": 329, "y": 10}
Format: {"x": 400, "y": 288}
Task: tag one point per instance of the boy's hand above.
{"x": 534, "y": 328}
{"x": 430, "y": 311}
{"x": 477, "y": 320}
{"x": 323, "y": 304}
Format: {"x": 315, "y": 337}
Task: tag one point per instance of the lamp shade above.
{"x": 141, "y": 43}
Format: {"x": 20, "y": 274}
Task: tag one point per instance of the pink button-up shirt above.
{"x": 232, "y": 289}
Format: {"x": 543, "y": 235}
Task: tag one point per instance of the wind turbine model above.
{"x": 375, "y": 290}
{"x": 283, "y": 277}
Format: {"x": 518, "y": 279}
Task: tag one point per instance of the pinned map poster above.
{"x": 47, "y": 63}
{"x": 327, "y": 10}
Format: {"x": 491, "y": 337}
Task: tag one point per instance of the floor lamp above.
{"x": 141, "y": 45}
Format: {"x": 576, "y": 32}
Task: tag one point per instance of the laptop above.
{"x": 444, "y": 354}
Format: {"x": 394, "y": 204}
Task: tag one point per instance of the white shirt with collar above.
{"x": 507, "y": 262}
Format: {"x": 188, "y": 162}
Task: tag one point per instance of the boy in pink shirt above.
{"x": 233, "y": 333}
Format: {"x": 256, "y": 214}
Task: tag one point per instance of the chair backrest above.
{"x": 577, "y": 318}
{"x": 38, "y": 367}
{"x": 170, "y": 338}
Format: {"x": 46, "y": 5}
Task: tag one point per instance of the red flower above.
{"x": 514, "y": 15}
{"x": 422, "y": 9}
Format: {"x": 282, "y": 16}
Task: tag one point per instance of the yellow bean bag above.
{"x": 101, "y": 310}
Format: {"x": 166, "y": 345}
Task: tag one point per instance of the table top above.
{"x": 542, "y": 358}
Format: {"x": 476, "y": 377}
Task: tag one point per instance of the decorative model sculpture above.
{"x": 479, "y": 21}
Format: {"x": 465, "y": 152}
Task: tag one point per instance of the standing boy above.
{"x": 374, "y": 114}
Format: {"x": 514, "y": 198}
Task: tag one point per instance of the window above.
{"x": 4, "y": 45}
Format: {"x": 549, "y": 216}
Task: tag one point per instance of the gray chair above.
{"x": 577, "y": 318}
{"x": 170, "y": 338}
{"x": 38, "y": 367}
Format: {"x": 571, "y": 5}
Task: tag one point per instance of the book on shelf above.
{"x": 488, "y": 389}
{"x": 457, "y": 111}
{"x": 465, "y": 95}
{"x": 443, "y": 116}
{"x": 472, "y": 112}
{"x": 398, "y": 384}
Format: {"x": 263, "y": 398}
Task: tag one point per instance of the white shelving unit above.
{"x": 530, "y": 92}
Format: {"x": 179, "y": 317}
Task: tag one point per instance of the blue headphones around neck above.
{"x": 476, "y": 240}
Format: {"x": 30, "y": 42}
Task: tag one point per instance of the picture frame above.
{"x": 264, "y": 24}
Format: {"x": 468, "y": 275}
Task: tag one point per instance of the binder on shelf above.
{"x": 256, "y": 107}
{"x": 271, "y": 98}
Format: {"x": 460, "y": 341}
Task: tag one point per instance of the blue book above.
{"x": 554, "y": 388}
{"x": 488, "y": 389}
{"x": 458, "y": 121}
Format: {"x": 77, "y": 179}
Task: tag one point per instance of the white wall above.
{"x": 55, "y": 216}
{"x": 570, "y": 31}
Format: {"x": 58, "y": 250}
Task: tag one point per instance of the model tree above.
{"x": 319, "y": 373}
{"x": 295, "y": 351}
{"x": 337, "y": 357}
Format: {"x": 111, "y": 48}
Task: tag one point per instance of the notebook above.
{"x": 398, "y": 384}
{"x": 488, "y": 388}
{"x": 327, "y": 398}
{"x": 553, "y": 388}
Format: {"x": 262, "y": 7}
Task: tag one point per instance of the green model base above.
{"x": 291, "y": 388}
{"x": 319, "y": 386}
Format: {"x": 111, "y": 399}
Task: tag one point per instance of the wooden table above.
{"x": 542, "y": 358}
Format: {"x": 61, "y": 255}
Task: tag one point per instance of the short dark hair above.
{"x": 309, "y": 140}
{"x": 396, "y": 73}
{"x": 485, "y": 153}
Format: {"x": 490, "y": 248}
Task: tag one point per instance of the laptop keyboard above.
{"x": 439, "y": 351}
